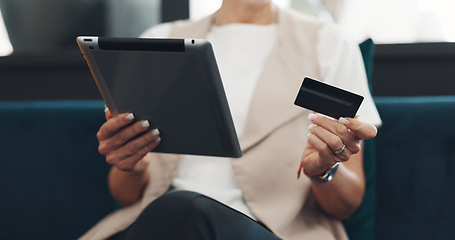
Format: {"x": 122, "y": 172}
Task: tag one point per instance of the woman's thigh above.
{"x": 190, "y": 215}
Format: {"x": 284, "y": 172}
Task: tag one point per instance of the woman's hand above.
{"x": 332, "y": 141}
{"x": 124, "y": 143}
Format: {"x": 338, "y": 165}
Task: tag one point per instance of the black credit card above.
{"x": 327, "y": 99}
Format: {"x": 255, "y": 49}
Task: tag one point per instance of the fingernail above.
{"x": 312, "y": 116}
{"x": 311, "y": 126}
{"x": 157, "y": 139}
{"x": 129, "y": 117}
{"x": 106, "y": 109}
{"x": 344, "y": 121}
{"x": 155, "y": 132}
{"x": 145, "y": 124}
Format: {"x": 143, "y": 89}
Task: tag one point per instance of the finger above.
{"x": 336, "y": 134}
{"x": 326, "y": 152}
{"x": 133, "y": 162}
{"x": 321, "y": 158}
{"x": 114, "y": 125}
{"x": 108, "y": 113}
{"x": 135, "y": 150}
{"x": 123, "y": 136}
{"x": 337, "y": 143}
{"x": 147, "y": 139}
{"x": 362, "y": 130}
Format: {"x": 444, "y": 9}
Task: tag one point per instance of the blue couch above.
{"x": 53, "y": 181}
{"x": 415, "y": 168}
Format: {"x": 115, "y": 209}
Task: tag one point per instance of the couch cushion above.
{"x": 415, "y": 150}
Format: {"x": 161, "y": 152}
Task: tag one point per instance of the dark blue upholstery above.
{"x": 415, "y": 184}
{"x": 52, "y": 179}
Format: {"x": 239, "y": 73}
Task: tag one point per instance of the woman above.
{"x": 263, "y": 53}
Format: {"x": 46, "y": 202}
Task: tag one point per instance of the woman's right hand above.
{"x": 124, "y": 143}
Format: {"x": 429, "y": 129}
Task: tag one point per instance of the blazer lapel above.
{"x": 273, "y": 101}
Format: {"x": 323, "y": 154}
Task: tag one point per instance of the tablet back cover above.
{"x": 173, "y": 83}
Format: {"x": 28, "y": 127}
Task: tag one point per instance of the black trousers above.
{"x": 188, "y": 215}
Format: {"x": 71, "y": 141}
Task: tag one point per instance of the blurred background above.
{"x": 386, "y": 21}
{"x": 48, "y": 24}
{"x": 37, "y": 40}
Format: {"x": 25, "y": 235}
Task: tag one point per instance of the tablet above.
{"x": 175, "y": 84}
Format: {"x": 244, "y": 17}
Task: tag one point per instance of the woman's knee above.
{"x": 181, "y": 202}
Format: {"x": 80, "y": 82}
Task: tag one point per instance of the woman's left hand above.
{"x": 332, "y": 141}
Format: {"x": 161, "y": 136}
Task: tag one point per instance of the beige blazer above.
{"x": 272, "y": 143}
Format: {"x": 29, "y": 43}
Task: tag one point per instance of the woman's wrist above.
{"x": 326, "y": 175}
